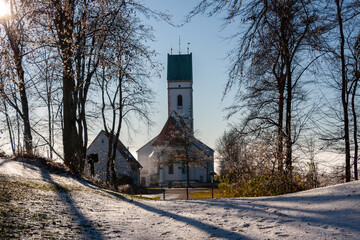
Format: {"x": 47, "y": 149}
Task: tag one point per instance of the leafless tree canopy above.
{"x": 65, "y": 53}
{"x": 278, "y": 46}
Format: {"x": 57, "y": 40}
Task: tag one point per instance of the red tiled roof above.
{"x": 165, "y": 136}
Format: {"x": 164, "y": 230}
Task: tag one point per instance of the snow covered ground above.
{"x": 71, "y": 209}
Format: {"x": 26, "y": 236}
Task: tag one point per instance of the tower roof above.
{"x": 180, "y": 67}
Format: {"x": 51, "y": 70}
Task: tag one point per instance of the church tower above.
{"x": 180, "y": 110}
{"x": 180, "y": 80}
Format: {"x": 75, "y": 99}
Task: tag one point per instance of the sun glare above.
{"x": 4, "y": 9}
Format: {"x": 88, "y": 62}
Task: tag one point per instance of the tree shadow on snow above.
{"x": 214, "y": 231}
{"x": 3, "y": 161}
{"x": 339, "y": 217}
{"x": 87, "y": 229}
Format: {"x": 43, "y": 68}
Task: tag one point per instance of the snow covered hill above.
{"x": 37, "y": 204}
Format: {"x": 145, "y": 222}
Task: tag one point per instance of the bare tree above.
{"x": 344, "y": 89}
{"x": 45, "y": 81}
{"x": 269, "y": 59}
{"x": 243, "y": 156}
{"x": 123, "y": 80}
{"x": 82, "y": 32}
{"x": 9, "y": 125}
{"x": 356, "y": 78}
{"x": 340, "y": 37}
{"x": 14, "y": 46}
{"x": 234, "y": 157}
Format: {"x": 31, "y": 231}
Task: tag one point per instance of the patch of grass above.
{"x": 22, "y": 185}
{"x": 28, "y": 185}
{"x": 39, "y": 217}
{"x": 207, "y": 194}
{"x": 23, "y": 215}
{"x": 144, "y": 197}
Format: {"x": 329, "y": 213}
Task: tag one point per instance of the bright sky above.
{"x": 4, "y": 9}
{"x": 209, "y": 49}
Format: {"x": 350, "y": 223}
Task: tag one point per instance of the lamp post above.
{"x": 212, "y": 174}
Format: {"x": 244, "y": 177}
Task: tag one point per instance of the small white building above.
{"x": 180, "y": 112}
{"x": 125, "y": 163}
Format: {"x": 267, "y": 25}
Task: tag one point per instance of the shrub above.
{"x": 2, "y": 153}
{"x": 126, "y": 188}
{"x": 131, "y": 189}
{"x": 123, "y": 180}
{"x": 268, "y": 184}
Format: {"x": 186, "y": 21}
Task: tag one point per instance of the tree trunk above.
{"x": 187, "y": 179}
{"x": 355, "y": 135}
{"x": 280, "y": 135}
{"x": 50, "y": 118}
{"x": 356, "y": 145}
{"x": 344, "y": 95}
{"x": 109, "y": 158}
{"x": 25, "y": 116}
{"x": 8, "y": 123}
{"x": 14, "y": 39}
{"x": 288, "y": 123}
{"x": 64, "y": 23}
{"x": 112, "y": 166}
{"x": 70, "y": 132}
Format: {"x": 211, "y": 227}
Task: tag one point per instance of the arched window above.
{"x": 179, "y": 101}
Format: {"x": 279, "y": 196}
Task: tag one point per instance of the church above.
{"x": 180, "y": 119}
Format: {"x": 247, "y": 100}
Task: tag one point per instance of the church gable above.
{"x": 172, "y": 125}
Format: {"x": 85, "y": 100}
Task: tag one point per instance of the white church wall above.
{"x": 144, "y": 159}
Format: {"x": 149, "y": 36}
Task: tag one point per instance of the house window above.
{"x": 179, "y": 101}
{"x": 171, "y": 169}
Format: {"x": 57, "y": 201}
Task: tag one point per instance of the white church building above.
{"x": 180, "y": 117}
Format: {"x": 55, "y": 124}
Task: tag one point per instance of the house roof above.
{"x": 180, "y": 67}
{"x": 127, "y": 154}
{"x": 123, "y": 151}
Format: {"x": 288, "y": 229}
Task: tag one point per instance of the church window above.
{"x": 171, "y": 169}
{"x": 179, "y": 101}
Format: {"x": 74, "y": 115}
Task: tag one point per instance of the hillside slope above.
{"x": 40, "y": 204}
